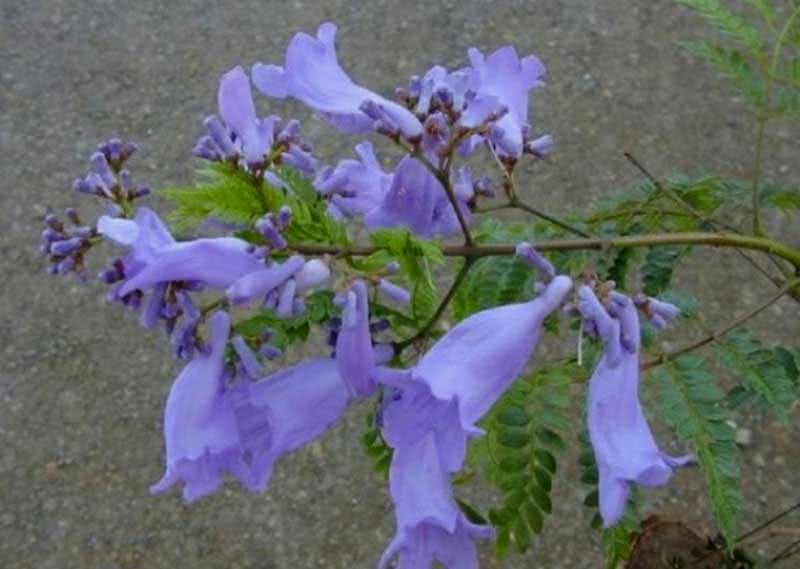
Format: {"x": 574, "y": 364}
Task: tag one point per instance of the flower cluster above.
{"x": 226, "y": 415}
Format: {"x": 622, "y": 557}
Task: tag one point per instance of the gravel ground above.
{"x": 82, "y": 386}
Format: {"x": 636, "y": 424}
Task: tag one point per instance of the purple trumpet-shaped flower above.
{"x": 256, "y": 285}
{"x": 504, "y": 78}
{"x": 416, "y": 200}
{"x": 312, "y": 75}
{"x": 155, "y": 257}
{"x": 465, "y": 372}
{"x": 430, "y": 525}
{"x": 354, "y": 354}
{"x": 235, "y": 101}
{"x": 624, "y": 447}
{"x": 285, "y": 411}
{"x": 200, "y": 429}
{"x": 355, "y": 187}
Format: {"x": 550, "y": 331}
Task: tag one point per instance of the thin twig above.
{"x": 669, "y": 356}
{"x": 769, "y": 522}
{"x": 515, "y": 202}
{"x": 462, "y": 274}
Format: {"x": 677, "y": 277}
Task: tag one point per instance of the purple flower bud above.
{"x": 485, "y": 187}
{"x": 290, "y": 134}
{"x": 81, "y": 186}
{"x": 52, "y": 269}
{"x": 53, "y": 222}
{"x": 313, "y": 274}
{"x": 394, "y": 293}
{"x": 72, "y": 215}
{"x": 247, "y": 357}
{"x": 380, "y": 325}
{"x": 392, "y": 268}
{"x": 49, "y": 235}
{"x": 66, "y": 266}
{"x": 286, "y": 299}
{"x": 102, "y": 169}
{"x": 220, "y": 135}
{"x": 541, "y": 146}
{"x": 153, "y": 308}
{"x": 444, "y": 97}
{"x": 267, "y": 228}
{"x": 299, "y": 307}
{"x": 300, "y": 160}
{"x": 66, "y": 246}
{"x": 527, "y": 253}
{"x": 665, "y": 310}
{"x": 285, "y": 216}
{"x": 270, "y": 352}
{"x": 110, "y": 276}
{"x": 141, "y": 192}
{"x": 414, "y": 86}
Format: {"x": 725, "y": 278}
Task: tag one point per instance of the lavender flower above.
{"x": 155, "y": 257}
{"x": 235, "y": 101}
{"x": 200, "y": 429}
{"x": 430, "y": 525}
{"x": 285, "y": 411}
{"x": 355, "y": 187}
{"x": 395, "y": 293}
{"x": 416, "y": 200}
{"x": 465, "y": 372}
{"x": 354, "y": 354}
{"x": 312, "y": 75}
{"x": 624, "y": 447}
{"x": 505, "y": 78}
{"x": 256, "y": 284}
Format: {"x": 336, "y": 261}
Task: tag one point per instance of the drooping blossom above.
{"x": 463, "y": 374}
{"x": 354, "y": 353}
{"x": 504, "y": 78}
{"x": 430, "y": 525}
{"x": 417, "y": 201}
{"x": 312, "y": 74}
{"x": 285, "y": 411}
{"x": 223, "y": 262}
{"x": 200, "y": 430}
{"x": 624, "y": 447}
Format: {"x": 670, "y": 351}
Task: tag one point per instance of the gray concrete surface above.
{"x": 82, "y": 386}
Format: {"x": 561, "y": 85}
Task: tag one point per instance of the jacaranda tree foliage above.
{"x": 357, "y": 252}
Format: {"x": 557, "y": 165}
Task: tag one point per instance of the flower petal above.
{"x": 354, "y": 354}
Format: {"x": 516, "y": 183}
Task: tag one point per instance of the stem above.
{"x": 515, "y": 202}
{"x": 462, "y": 274}
{"x": 668, "y": 356}
{"x": 764, "y": 244}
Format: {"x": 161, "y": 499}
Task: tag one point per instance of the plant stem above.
{"x": 517, "y": 203}
{"x": 764, "y": 244}
{"x": 462, "y": 274}
{"x": 668, "y": 356}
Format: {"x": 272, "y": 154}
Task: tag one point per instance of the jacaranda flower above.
{"x": 430, "y": 525}
{"x": 200, "y": 429}
{"x": 354, "y": 354}
{"x": 236, "y": 106}
{"x": 624, "y": 447}
{"x": 463, "y": 374}
{"x": 285, "y": 411}
{"x": 312, "y": 75}
{"x": 505, "y": 78}
{"x": 417, "y": 201}
{"x": 355, "y": 187}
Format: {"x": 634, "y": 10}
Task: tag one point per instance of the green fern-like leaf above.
{"x": 692, "y": 404}
{"x": 734, "y": 65}
{"x": 492, "y": 282}
{"x": 524, "y": 440}
{"x": 658, "y": 267}
{"x": 763, "y": 376}
{"x": 223, "y": 192}
{"x": 728, "y": 22}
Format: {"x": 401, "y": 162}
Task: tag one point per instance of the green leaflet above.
{"x": 658, "y": 267}
{"x": 375, "y": 447}
{"x": 735, "y": 66}
{"x": 222, "y": 191}
{"x": 763, "y": 375}
{"x": 692, "y": 404}
{"x": 416, "y": 257}
{"x": 728, "y": 22}
{"x": 285, "y": 331}
{"x": 523, "y": 440}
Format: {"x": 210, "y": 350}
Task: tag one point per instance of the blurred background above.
{"x": 82, "y": 386}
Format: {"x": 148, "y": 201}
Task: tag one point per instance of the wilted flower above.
{"x": 624, "y": 447}
{"x": 312, "y": 75}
